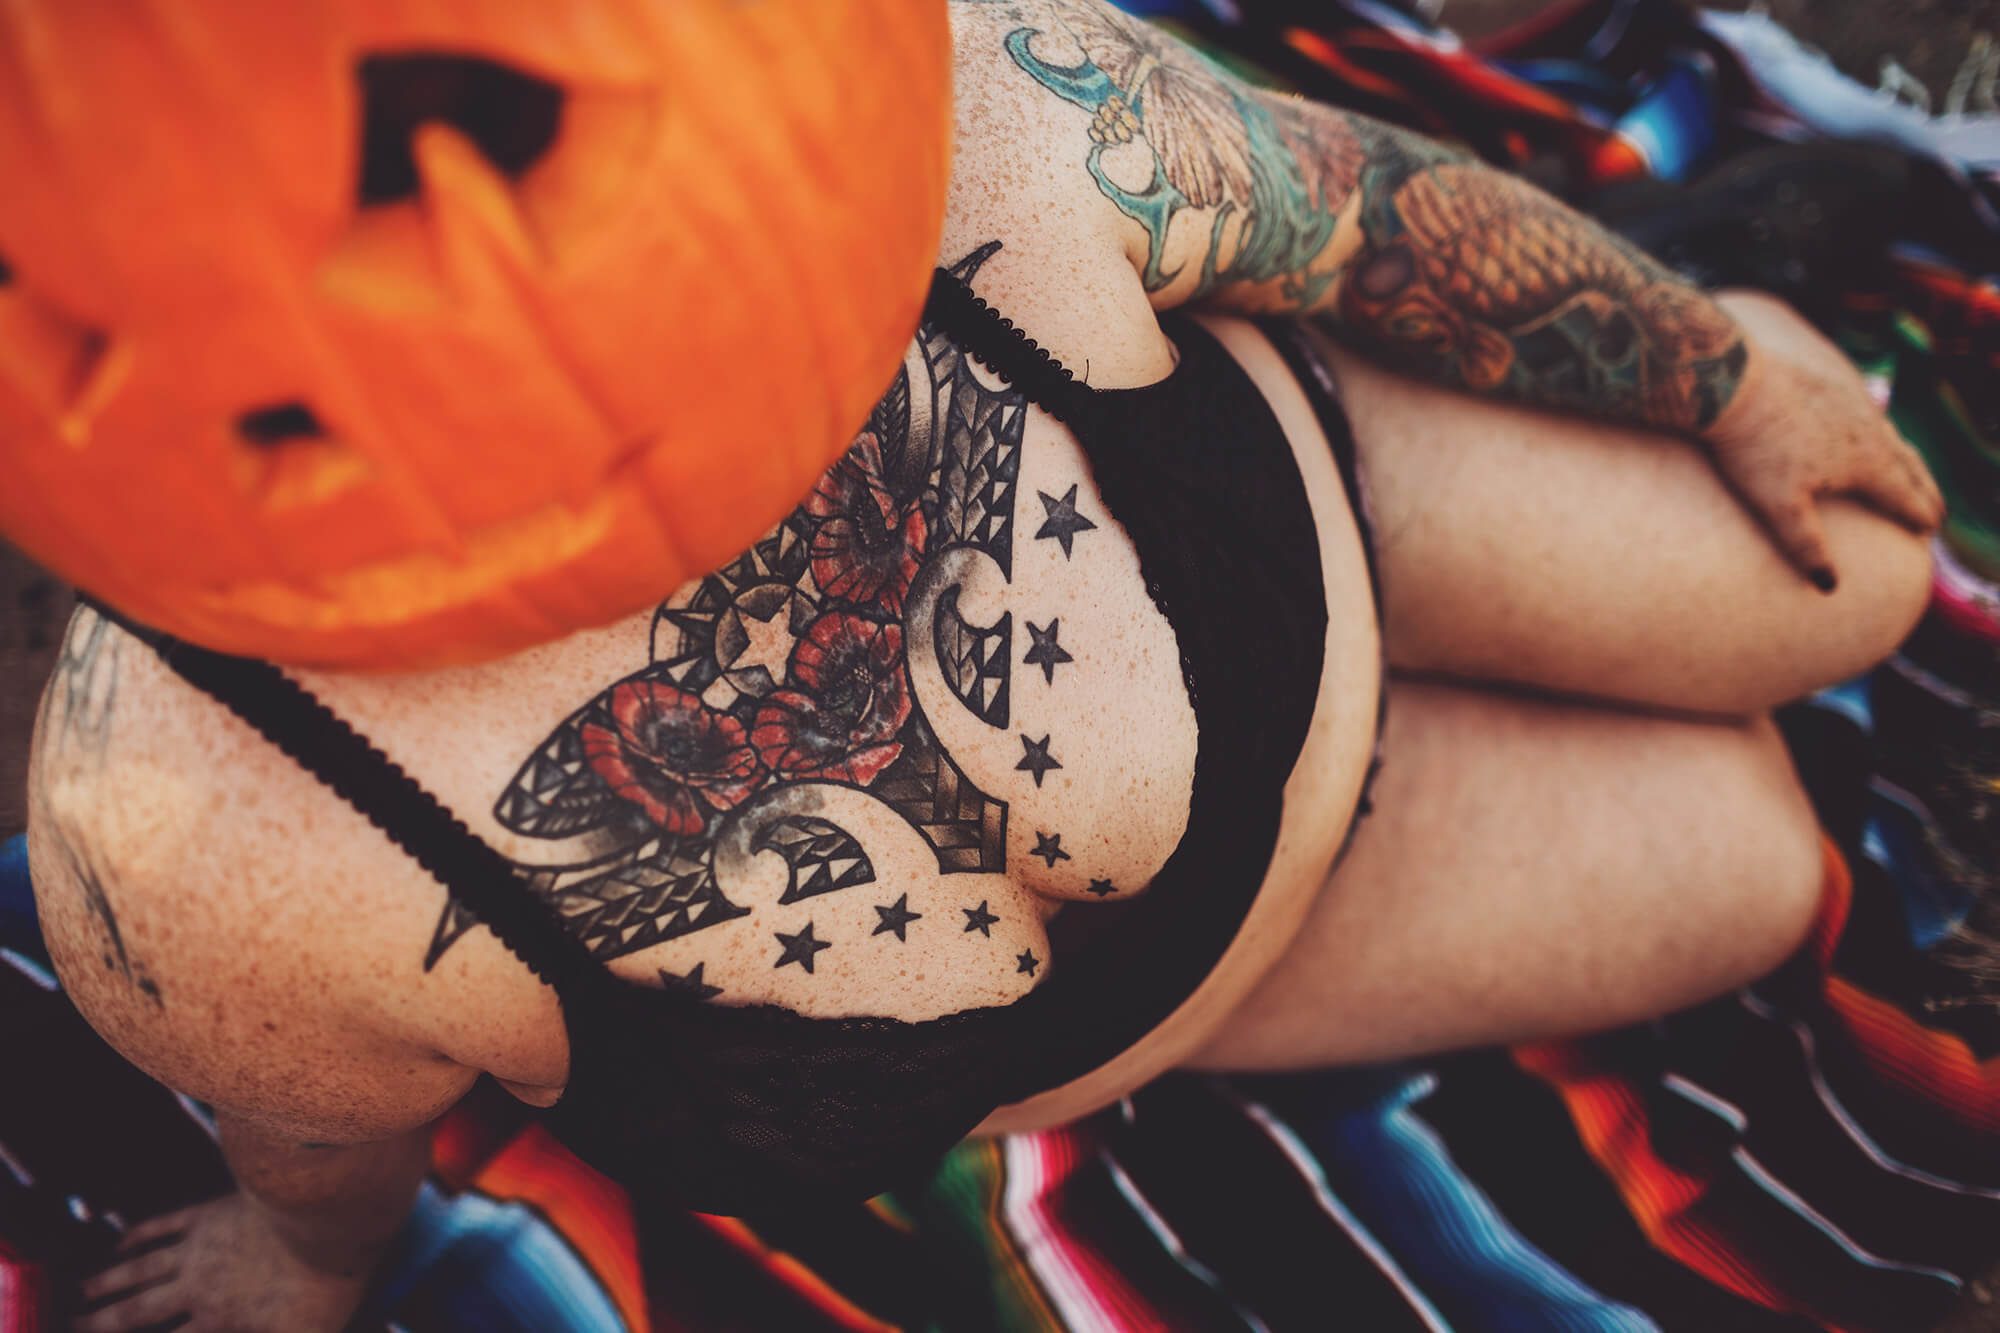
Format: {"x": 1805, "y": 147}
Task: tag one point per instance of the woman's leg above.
{"x": 1589, "y": 560}
{"x": 1537, "y": 868}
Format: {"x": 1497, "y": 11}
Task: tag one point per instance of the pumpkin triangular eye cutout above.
{"x": 6, "y": 273}
{"x": 512, "y": 117}
{"x": 281, "y": 423}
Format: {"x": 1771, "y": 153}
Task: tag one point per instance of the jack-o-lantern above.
{"x": 387, "y": 333}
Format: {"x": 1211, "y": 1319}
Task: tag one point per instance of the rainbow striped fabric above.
{"x": 1821, "y": 1150}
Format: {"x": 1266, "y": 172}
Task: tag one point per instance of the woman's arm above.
{"x": 294, "y": 1248}
{"x": 324, "y": 1111}
{"x": 1443, "y": 268}
{"x": 335, "y": 1206}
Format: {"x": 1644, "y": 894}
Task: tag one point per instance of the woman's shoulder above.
{"x": 1056, "y": 256}
{"x": 207, "y": 908}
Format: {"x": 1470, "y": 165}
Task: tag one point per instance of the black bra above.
{"x": 748, "y": 1108}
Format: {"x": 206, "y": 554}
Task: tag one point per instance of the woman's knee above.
{"x": 1789, "y": 639}
{"x": 1885, "y": 584}
{"x": 1760, "y": 885}
{"x": 1590, "y": 560}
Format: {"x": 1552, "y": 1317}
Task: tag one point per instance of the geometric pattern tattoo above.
{"x": 785, "y": 670}
{"x": 822, "y": 856}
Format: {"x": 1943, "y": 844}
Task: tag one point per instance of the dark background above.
{"x": 1930, "y": 37}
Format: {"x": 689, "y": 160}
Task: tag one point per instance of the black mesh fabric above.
{"x": 1200, "y": 475}
{"x": 754, "y": 1109}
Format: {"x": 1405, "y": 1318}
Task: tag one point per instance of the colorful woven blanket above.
{"x": 1819, "y": 1150}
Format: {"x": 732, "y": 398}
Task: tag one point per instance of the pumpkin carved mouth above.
{"x": 384, "y": 593}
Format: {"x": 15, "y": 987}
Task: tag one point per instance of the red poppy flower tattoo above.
{"x": 672, "y": 755}
{"x": 867, "y": 548}
{"x": 853, "y": 697}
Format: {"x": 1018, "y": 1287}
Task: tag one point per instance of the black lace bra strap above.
{"x": 1007, "y": 351}
{"x": 288, "y": 715}
{"x": 1315, "y": 379}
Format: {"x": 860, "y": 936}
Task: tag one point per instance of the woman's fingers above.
{"x": 137, "y": 1308}
{"x": 1927, "y": 504}
{"x": 167, "y": 1226}
{"x": 1890, "y": 476}
{"x": 1795, "y": 523}
{"x": 1901, "y": 497}
{"x": 1857, "y": 454}
{"x": 139, "y": 1290}
{"x": 147, "y": 1270}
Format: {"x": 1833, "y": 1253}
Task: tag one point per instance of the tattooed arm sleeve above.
{"x": 1425, "y": 259}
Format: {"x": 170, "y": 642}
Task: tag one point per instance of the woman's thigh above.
{"x": 1586, "y": 559}
{"x": 1535, "y": 868}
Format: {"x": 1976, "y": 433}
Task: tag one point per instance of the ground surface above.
{"x": 1929, "y": 37}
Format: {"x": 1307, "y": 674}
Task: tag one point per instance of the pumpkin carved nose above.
{"x": 511, "y": 117}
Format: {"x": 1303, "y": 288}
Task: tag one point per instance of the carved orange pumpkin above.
{"x": 387, "y": 333}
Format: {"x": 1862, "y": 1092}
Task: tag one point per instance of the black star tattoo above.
{"x": 1063, "y": 522}
{"x": 896, "y": 917}
{"x": 1048, "y": 846}
{"x": 1027, "y": 962}
{"x": 692, "y": 984}
{"x": 1101, "y": 887}
{"x": 1045, "y": 652}
{"x": 800, "y": 948}
{"x": 979, "y": 919}
{"x": 1036, "y": 759}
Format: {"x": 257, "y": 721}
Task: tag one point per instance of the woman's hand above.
{"x": 223, "y": 1268}
{"x": 1802, "y": 426}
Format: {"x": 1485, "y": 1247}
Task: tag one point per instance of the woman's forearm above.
{"x": 1427, "y": 260}
{"x": 336, "y": 1206}
{"x": 1474, "y": 278}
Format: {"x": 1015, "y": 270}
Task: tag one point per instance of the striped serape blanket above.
{"x": 1820, "y": 1150}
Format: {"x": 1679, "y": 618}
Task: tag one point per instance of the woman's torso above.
{"x": 925, "y": 898}
{"x": 1054, "y": 774}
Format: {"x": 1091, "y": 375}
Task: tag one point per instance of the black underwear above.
{"x": 751, "y": 1108}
